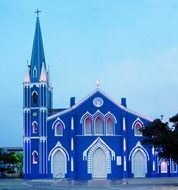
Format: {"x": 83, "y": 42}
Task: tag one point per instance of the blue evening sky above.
{"x": 131, "y": 46}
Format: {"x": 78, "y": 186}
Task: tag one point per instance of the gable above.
{"x": 98, "y": 100}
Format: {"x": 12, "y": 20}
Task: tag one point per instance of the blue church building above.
{"x": 97, "y": 137}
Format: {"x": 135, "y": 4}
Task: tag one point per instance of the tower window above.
{"x": 34, "y": 157}
{"x": 34, "y": 127}
{"x": 35, "y": 98}
{"x": 35, "y": 72}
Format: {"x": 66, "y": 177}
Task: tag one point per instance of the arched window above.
{"x": 88, "y": 126}
{"x": 109, "y": 126}
{"x": 174, "y": 167}
{"x": 58, "y": 129}
{"x": 34, "y": 157}
{"x": 34, "y": 127}
{"x": 35, "y": 72}
{"x": 99, "y": 127}
{"x": 137, "y": 128}
{"x": 34, "y": 98}
{"x": 163, "y": 166}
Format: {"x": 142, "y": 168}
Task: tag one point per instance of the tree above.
{"x": 163, "y": 136}
{"x": 9, "y": 161}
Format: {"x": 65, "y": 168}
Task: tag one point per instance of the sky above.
{"x": 131, "y": 46}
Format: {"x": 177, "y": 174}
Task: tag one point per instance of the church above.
{"x": 97, "y": 137}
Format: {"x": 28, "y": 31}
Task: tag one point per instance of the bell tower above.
{"x": 37, "y": 95}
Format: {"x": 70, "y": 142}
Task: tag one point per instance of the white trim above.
{"x": 54, "y": 126}
{"x": 88, "y": 154}
{"x": 72, "y": 123}
{"x": 35, "y": 72}
{"x": 124, "y": 145}
{"x": 125, "y": 164}
{"x": 138, "y": 120}
{"x": 172, "y": 166}
{"x": 82, "y": 119}
{"x": 132, "y": 159}
{"x": 72, "y": 164}
{"x": 34, "y": 128}
{"x": 167, "y": 163}
{"x": 55, "y": 121}
{"x": 98, "y": 114}
{"x": 123, "y": 124}
{"x": 33, "y": 157}
{"x": 54, "y": 152}
{"x": 108, "y": 97}
{"x": 154, "y": 166}
{"x": 58, "y": 146}
{"x": 114, "y": 121}
{"x": 72, "y": 144}
{"x": 34, "y": 91}
{"x": 139, "y": 147}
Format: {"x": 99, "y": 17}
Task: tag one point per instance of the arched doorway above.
{"x": 59, "y": 164}
{"x": 99, "y": 164}
{"x": 139, "y": 164}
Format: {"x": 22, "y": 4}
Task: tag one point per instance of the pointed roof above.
{"x": 98, "y": 90}
{"x": 43, "y": 76}
{"x": 37, "y": 57}
{"x": 27, "y": 75}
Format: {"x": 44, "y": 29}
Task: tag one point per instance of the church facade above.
{"x": 96, "y": 137}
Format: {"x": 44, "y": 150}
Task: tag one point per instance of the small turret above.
{"x": 27, "y": 75}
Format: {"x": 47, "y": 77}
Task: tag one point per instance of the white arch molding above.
{"x": 139, "y": 157}
{"x": 88, "y": 154}
{"x": 61, "y": 154}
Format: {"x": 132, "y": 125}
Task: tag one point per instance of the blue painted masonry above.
{"x": 94, "y": 138}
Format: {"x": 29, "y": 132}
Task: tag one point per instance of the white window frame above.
{"x": 135, "y": 130}
{"x": 98, "y": 134}
{"x": 34, "y": 128}
{"x": 166, "y": 170}
{"x": 34, "y": 161}
{"x": 113, "y": 121}
{"x": 88, "y": 117}
{"x": 55, "y": 128}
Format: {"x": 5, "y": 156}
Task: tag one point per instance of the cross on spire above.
{"x": 37, "y": 12}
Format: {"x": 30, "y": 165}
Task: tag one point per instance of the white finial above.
{"x": 97, "y": 83}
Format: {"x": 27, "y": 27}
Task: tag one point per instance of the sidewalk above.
{"x": 134, "y": 184}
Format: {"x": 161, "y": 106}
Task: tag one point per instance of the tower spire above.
{"x": 37, "y": 57}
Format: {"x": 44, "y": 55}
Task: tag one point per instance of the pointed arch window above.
{"x": 164, "y": 166}
{"x": 34, "y": 127}
{"x": 137, "y": 128}
{"x": 35, "y": 72}
{"x": 88, "y": 126}
{"x": 99, "y": 125}
{"x": 110, "y": 126}
{"x": 58, "y": 129}
{"x": 35, "y": 98}
{"x": 35, "y": 157}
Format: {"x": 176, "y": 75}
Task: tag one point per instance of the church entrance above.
{"x": 139, "y": 164}
{"x": 59, "y": 165}
{"x": 99, "y": 164}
